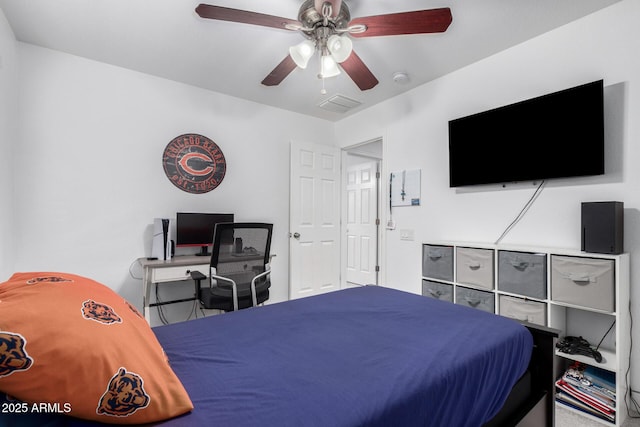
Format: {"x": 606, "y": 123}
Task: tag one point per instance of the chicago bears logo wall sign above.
{"x": 194, "y": 163}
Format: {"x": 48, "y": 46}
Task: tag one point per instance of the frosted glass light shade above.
{"x": 302, "y": 52}
{"x": 328, "y": 67}
{"x": 340, "y": 47}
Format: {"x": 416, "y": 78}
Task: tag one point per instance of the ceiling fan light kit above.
{"x": 340, "y": 47}
{"x": 328, "y": 67}
{"x": 328, "y": 26}
{"x": 302, "y": 53}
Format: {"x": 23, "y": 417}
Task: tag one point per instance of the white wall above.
{"x": 603, "y": 45}
{"x": 91, "y": 177}
{"x": 8, "y": 139}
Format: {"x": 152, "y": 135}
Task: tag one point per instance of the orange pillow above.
{"x": 75, "y": 344}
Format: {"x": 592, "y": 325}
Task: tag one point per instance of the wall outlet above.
{"x": 406, "y": 234}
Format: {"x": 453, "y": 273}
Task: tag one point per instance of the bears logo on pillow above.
{"x": 13, "y": 357}
{"x": 70, "y": 341}
{"x": 124, "y": 396}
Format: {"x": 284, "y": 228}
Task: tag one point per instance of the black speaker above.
{"x": 603, "y": 227}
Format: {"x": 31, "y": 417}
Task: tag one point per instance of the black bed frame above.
{"x": 532, "y": 400}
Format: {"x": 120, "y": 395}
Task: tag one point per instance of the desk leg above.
{"x": 146, "y": 291}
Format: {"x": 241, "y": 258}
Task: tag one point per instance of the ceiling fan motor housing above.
{"x": 311, "y": 20}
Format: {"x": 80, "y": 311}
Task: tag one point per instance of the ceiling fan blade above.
{"x": 282, "y": 70}
{"x": 359, "y": 72}
{"x": 335, "y": 6}
{"x": 235, "y": 15}
{"x": 417, "y": 22}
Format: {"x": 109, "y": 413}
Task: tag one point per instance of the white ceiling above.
{"x": 168, "y": 39}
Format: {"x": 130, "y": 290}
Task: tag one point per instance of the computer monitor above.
{"x": 196, "y": 229}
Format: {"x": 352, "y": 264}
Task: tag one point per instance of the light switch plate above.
{"x": 406, "y": 234}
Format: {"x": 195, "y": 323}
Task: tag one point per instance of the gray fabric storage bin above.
{"x": 482, "y": 300}
{"x": 437, "y": 262}
{"x": 587, "y": 282}
{"x": 437, "y": 290}
{"x": 521, "y": 309}
{"x": 474, "y": 266}
{"x": 523, "y": 273}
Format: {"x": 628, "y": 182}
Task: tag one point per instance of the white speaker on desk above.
{"x": 161, "y": 244}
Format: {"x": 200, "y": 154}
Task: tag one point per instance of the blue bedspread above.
{"x": 366, "y": 356}
{"x": 369, "y": 356}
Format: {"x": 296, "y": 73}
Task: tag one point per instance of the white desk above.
{"x": 174, "y": 270}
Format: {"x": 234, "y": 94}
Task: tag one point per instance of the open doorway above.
{"x": 362, "y": 208}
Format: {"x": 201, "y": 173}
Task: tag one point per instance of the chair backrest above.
{"x": 241, "y": 249}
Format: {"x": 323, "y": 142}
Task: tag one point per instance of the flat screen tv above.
{"x": 196, "y": 229}
{"x": 557, "y": 135}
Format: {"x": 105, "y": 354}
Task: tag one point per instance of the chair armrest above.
{"x": 264, "y": 273}
{"x": 234, "y": 288}
{"x": 197, "y": 276}
{"x": 254, "y": 295}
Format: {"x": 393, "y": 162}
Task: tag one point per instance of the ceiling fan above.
{"x": 326, "y": 24}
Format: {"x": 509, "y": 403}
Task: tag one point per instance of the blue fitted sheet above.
{"x": 369, "y": 356}
{"x": 366, "y": 356}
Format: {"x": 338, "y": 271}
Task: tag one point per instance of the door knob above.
{"x": 296, "y": 235}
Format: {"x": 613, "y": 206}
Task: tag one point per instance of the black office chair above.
{"x": 239, "y": 268}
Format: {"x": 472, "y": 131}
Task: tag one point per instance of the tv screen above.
{"x": 557, "y": 135}
{"x": 196, "y": 229}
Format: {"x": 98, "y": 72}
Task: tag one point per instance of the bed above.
{"x": 368, "y": 356}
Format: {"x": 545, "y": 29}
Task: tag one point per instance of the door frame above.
{"x": 382, "y": 207}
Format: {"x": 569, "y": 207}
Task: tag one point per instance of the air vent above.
{"x": 339, "y": 104}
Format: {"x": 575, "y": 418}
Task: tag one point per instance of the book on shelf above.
{"x": 585, "y": 398}
{"x": 607, "y": 396}
{"x": 600, "y": 377}
{"x": 569, "y": 401}
{"x": 594, "y": 394}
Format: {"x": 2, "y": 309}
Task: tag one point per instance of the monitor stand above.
{"x": 204, "y": 251}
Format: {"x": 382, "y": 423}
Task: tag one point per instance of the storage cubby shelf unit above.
{"x": 580, "y": 294}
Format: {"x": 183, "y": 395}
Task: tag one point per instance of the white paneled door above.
{"x": 314, "y": 221}
{"x": 361, "y": 224}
